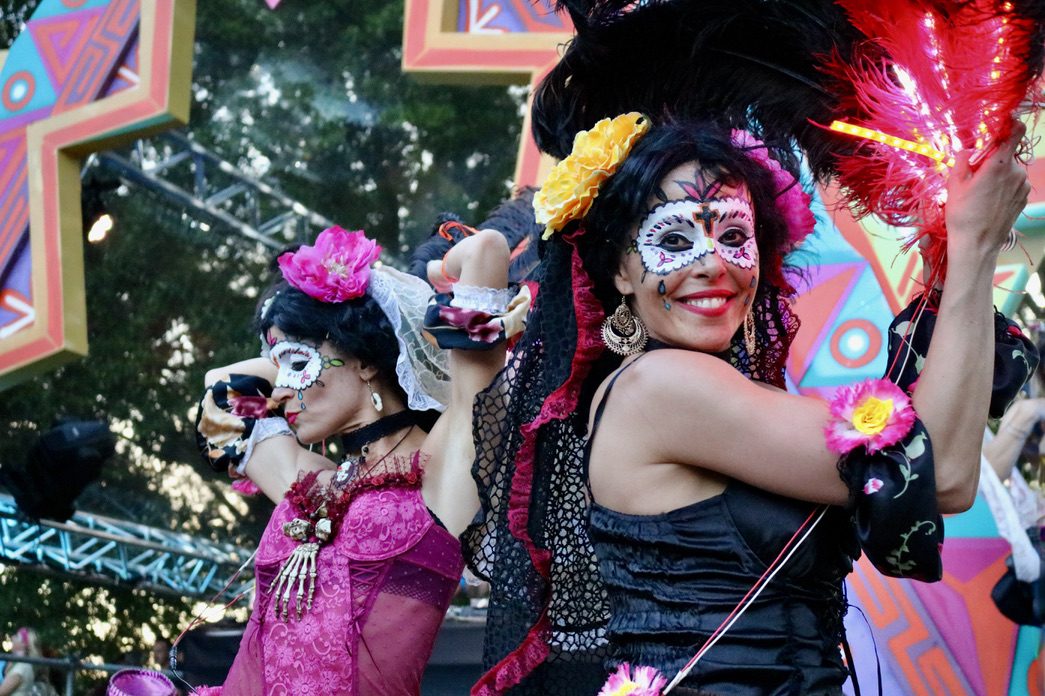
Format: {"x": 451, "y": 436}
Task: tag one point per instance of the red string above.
{"x": 769, "y": 569}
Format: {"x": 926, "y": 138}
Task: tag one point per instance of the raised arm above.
{"x": 694, "y": 409}
{"x": 481, "y": 261}
{"x": 274, "y": 462}
{"x": 954, "y": 389}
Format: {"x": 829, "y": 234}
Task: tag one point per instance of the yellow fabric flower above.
{"x": 571, "y": 187}
{"x": 871, "y": 417}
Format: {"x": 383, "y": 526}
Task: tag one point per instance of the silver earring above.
{"x": 375, "y": 398}
{"x": 623, "y": 332}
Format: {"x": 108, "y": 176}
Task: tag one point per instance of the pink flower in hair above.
{"x": 792, "y": 201}
{"x": 336, "y": 268}
{"x": 643, "y": 681}
{"x": 874, "y": 413}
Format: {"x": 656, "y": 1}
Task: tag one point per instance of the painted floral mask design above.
{"x": 679, "y": 233}
{"x": 300, "y": 364}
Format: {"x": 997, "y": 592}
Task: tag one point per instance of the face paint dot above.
{"x": 754, "y": 282}
{"x": 667, "y": 305}
{"x": 662, "y": 289}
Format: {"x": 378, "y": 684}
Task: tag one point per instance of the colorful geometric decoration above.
{"x": 940, "y": 639}
{"x": 85, "y": 75}
{"x": 483, "y": 42}
{"x": 946, "y": 638}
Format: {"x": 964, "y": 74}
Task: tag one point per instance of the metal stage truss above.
{"x": 212, "y": 190}
{"x": 105, "y": 550}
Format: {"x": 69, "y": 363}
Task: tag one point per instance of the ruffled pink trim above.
{"x": 559, "y": 405}
{"x": 792, "y": 202}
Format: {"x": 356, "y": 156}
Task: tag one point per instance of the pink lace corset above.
{"x": 383, "y": 584}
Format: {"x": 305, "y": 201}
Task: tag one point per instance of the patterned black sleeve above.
{"x": 1015, "y": 356}
{"x": 893, "y": 492}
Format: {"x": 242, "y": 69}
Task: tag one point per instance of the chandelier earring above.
{"x": 623, "y": 332}
{"x": 749, "y": 333}
{"x": 375, "y": 398}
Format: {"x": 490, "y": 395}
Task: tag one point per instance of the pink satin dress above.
{"x": 383, "y": 585}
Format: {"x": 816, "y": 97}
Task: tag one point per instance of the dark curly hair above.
{"x": 357, "y": 327}
{"x": 624, "y": 198}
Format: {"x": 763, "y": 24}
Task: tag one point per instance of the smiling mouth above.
{"x": 712, "y": 306}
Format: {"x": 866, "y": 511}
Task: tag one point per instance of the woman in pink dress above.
{"x": 359, "y": 561}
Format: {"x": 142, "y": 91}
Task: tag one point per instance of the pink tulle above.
{"x": 792, "y": 201}
{"x": 335, "y": 269}
{"x": 842, "y": 434}
{"x": 637, "y": 681}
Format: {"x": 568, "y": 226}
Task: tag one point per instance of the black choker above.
{"x": 356, "y": 440}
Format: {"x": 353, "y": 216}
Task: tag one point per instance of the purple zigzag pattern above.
{"x": 92, "y": 72}
{"x": 101, "y": 56}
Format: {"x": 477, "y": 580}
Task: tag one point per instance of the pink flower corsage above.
{"x": 479, "y": 326}
{"x": 874, "y": 413}
{"x": 642, "y": 681}
{"x": 336, "y": 268}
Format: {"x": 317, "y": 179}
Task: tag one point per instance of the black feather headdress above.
{"x": 749, "y": 64}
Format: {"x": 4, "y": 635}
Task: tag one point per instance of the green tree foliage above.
{"x": 310, "y": 98}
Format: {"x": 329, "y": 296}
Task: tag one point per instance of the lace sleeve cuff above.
{"x": 264, "y": 429}
{"x": 451, "y": 326}
{"x": 493, "y": 301}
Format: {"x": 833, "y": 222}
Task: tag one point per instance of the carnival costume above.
{"x": 579, "y": 588}
{"x": 353, "y": 576}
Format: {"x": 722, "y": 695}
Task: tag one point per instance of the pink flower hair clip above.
{"x": 874, "y": 413}
{"x": 336, "y": 268}
{"x": 640, "y": 681}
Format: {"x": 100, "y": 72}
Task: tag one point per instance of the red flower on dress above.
{"x": 336, "y": 268}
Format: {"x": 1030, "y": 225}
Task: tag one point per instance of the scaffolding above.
{"x": 103, "y": 550}
{"x": 212, "y": 190}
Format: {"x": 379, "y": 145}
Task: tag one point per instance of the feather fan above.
{"x": 934, "y": 78}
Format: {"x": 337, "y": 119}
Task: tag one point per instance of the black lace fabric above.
{"x": 545, "y": 629}
{"x": 775, "y": 328}
{"x": 566, "y": 601}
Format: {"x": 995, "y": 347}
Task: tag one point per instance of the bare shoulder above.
{"x": 664, "y": 373}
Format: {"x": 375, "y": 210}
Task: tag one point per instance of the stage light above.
{"x": 62, "y": 462}
{"x": 100, "y": 228}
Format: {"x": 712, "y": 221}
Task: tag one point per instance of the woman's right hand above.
{"x": 984, "y": 203}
